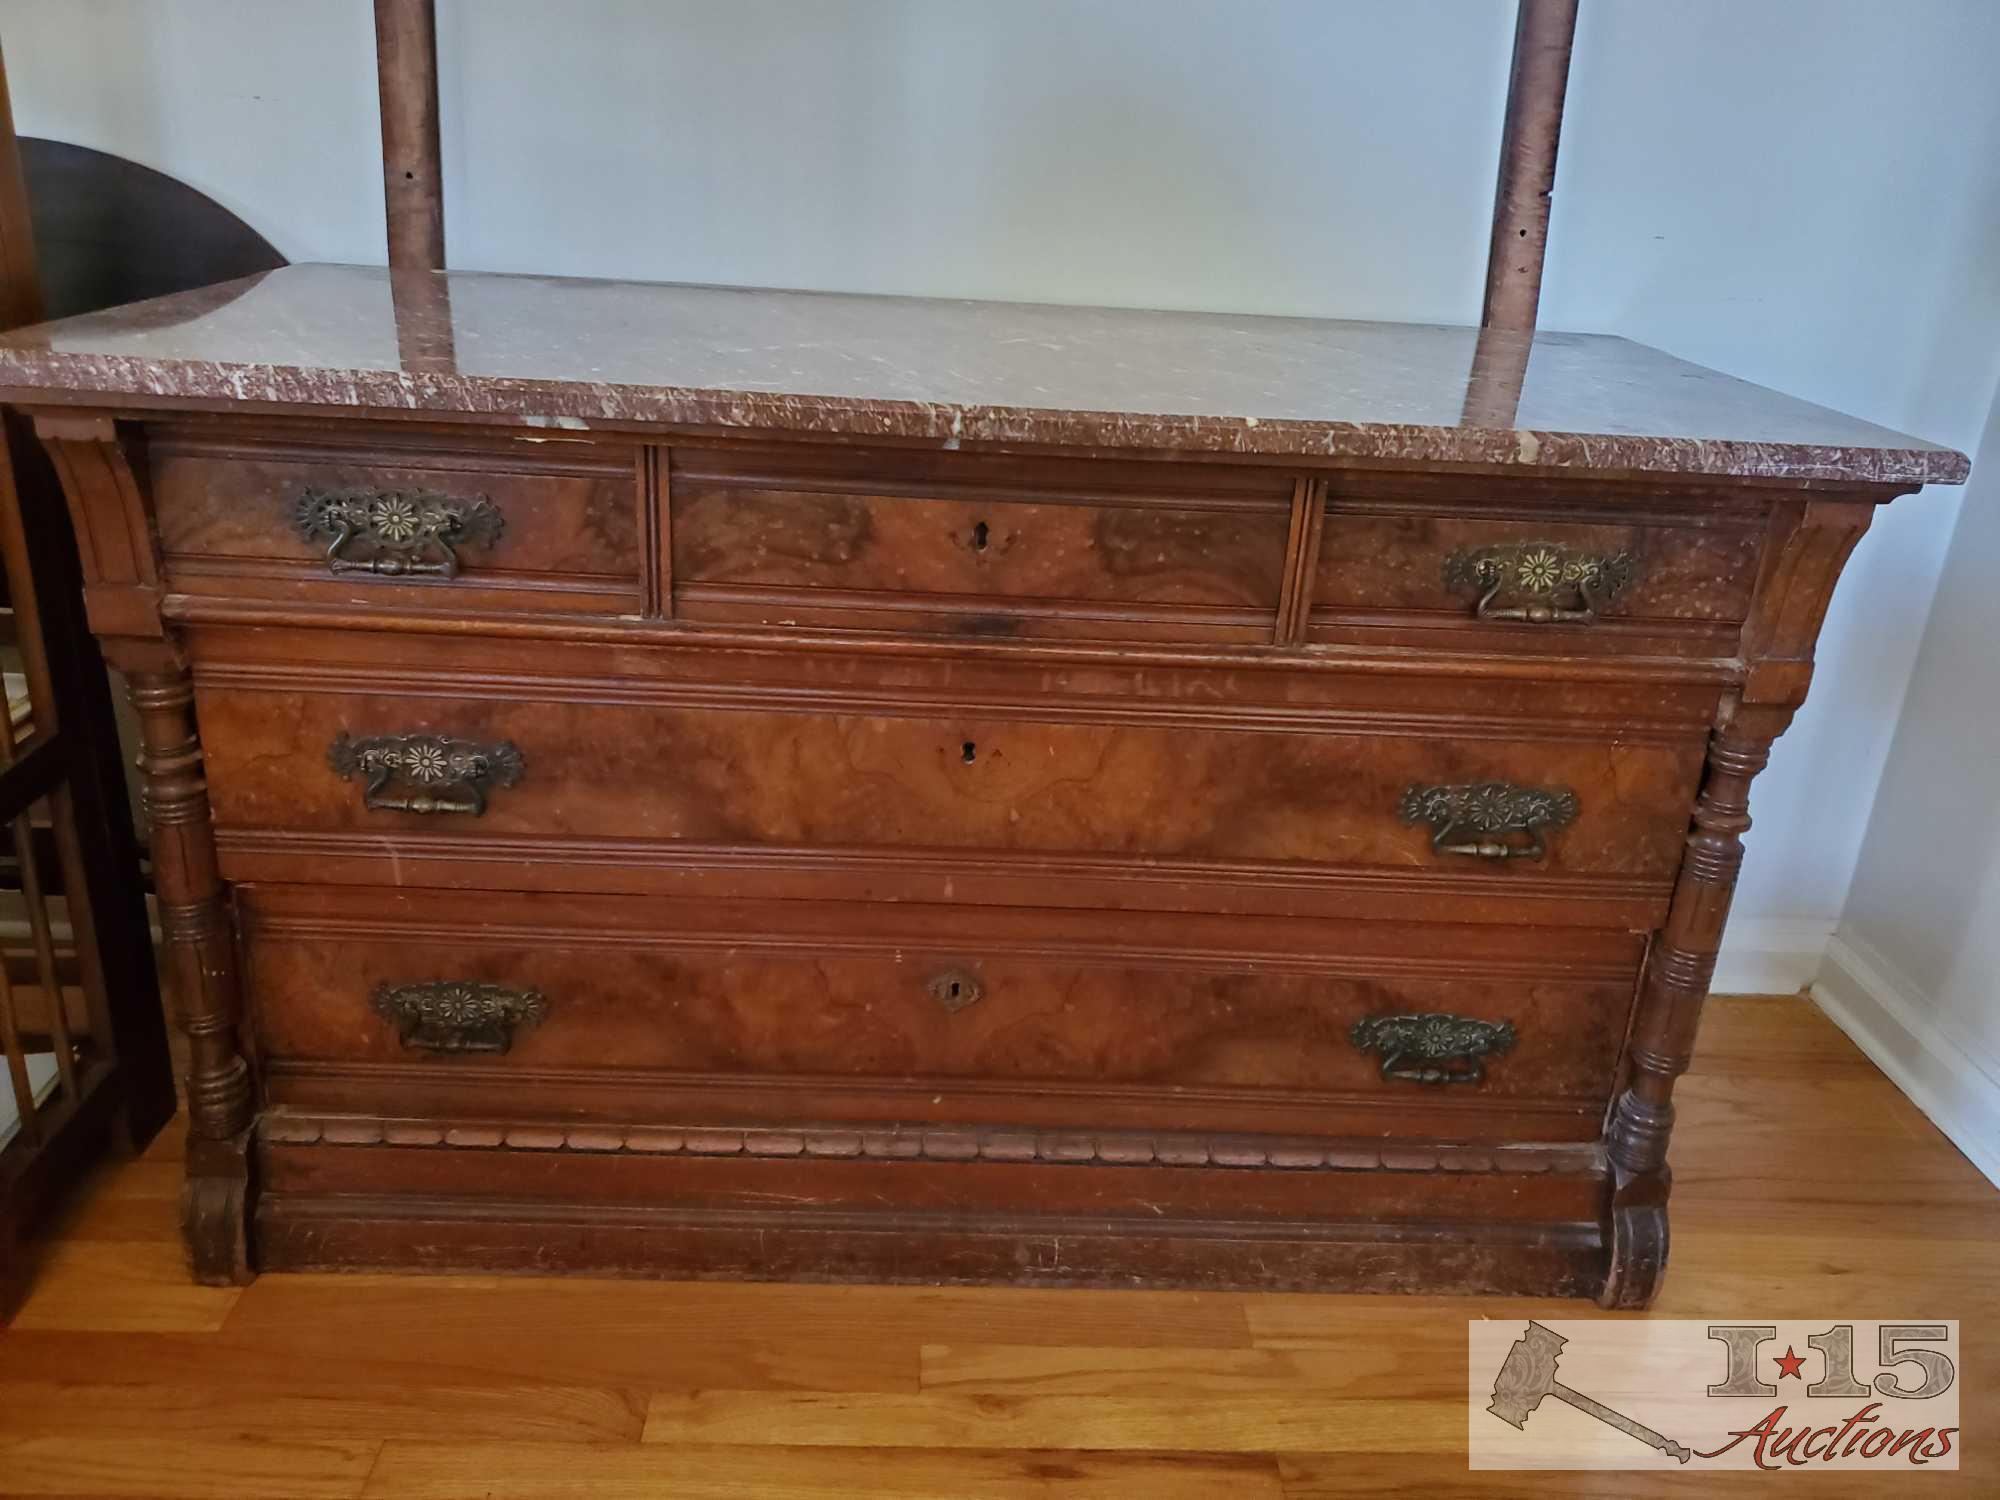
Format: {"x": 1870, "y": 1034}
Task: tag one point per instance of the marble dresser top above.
{"x": 573, "y": 354}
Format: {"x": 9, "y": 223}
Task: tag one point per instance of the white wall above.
{"x": 1915, "y": 969}
{"x": 1286, "y": 156}
{"x": 1804, "y": 192}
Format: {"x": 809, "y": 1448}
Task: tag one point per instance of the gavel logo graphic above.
{"x": 1529, "y": 1374}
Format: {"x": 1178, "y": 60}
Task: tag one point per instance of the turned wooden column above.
{"x": 200, "y": 954}
{"x": 1679, "y": 970}
{"x": 1807, "y": 545}
{"x": 101, "y": 464}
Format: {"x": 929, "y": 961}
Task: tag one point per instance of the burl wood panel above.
{"x": 762, "y": 1012}
{"x": 1102, "y": 548}
{"x": 569, "y": 543}
{"x": 1126, "y": 553}
{"x": 1397, "y": 562}
{"x": 757, "y": 777}
{"x": 1387, "y": 540}
{"x": 750, "y": 1003}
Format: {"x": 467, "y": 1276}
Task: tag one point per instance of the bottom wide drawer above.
{"x": 613, "y": 1009}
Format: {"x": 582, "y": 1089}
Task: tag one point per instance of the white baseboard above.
{"x": 1945, "y": 1076}
{"x": 1770, "y": 955}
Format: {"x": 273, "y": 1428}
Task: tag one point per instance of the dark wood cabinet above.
{"x": 750, "y": 784}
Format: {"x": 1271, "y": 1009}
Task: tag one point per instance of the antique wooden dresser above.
{"x": 731, "y": 783}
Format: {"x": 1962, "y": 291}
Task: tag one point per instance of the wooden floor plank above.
{"x": 206, "y": 1386}
{"x": 694, "y": 1335}
{"x": 1408, "y": 1364}
{"x": 1263, "y": 1422}
{"x": 138, "y": 1286}
{"x": 1415, "y": 1476}
{"x": 409, "y": 1471}
{"x": 164, "y": 1466}
{"x": 623, "y": 1334}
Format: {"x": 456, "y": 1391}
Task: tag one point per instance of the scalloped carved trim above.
{"x": 888, "y": 1143}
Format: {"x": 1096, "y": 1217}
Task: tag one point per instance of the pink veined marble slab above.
{"x": 574, "y": 353}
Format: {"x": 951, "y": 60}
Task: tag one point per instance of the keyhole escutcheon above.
{"x": 954, "y": 989}
{"x": 980, "y": 536}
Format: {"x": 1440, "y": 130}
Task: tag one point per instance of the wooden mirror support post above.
{"x": 412, "y": 172}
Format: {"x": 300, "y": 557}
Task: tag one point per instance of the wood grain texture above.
{"x": 434, "y": 1472}
{"x": 1137, "y": 554}
{"x": 1397, "y": 562}
{"x": 825, "y": 1392}
{"x": 570, "y": 537}
{"x": 898, "y": 779}
{"x": 1036, "y": 550}
{"x": 805, "y": 990}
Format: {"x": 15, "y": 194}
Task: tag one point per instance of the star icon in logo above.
{"x": 1790, "y": 1363}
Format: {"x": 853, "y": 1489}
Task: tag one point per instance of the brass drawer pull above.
{"x": 1432, "y": 1047}
{"x": 1555, "y": 585}
{"x": 954, "y": 989}
{"x": 1489, "y": 810}
{"x": 456, "y": 1015}
{"x": 440, "y": 774}
{"x": 406, "y": 532}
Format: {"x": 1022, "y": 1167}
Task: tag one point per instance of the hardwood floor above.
{"x": 1806, "y": 1185}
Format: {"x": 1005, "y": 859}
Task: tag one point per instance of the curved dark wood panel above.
{"x": 109, "y": 231}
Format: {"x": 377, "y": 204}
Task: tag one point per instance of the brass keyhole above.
{"x": 979, "y": 537}
{"x": 954, "y": 989}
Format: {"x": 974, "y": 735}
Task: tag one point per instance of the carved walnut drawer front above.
{"x": 1002, "y": 1014}
{"x": 1565, "y": 568}
{"x": 432, "y": 524}
{"x": 970, "y": 545}
{"x": 1398, "y": 795}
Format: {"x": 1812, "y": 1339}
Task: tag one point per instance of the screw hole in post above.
{"x": 979, "y": 537}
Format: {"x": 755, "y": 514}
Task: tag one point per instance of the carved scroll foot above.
{"x": 215, "y": 1210}
{"x": 1638, "y": 1244}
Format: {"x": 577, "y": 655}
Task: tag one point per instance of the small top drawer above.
{"x": 978, "y": 545}
{"x": 1592, "y": 576}
{"x": 388, "y": 523}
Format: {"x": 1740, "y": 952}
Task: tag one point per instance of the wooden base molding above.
{"x": 947, "y": 1249}
{"x": 970, "y": 1143}
{"x": 930, "y": 1205}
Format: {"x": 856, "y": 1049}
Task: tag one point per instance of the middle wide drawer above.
{"x": 1001, "y": 784}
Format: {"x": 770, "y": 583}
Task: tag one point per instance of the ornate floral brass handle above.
{"x": 1431, "y": 1047}
{"x": 405, "y": 532}
{"x": 439, "y": 774}
{"x": 1488, "y": 811}
{"x": 1553, "y": 584}
{"x": 458, "y": 1015}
